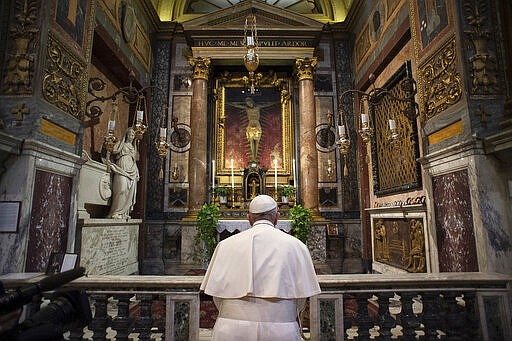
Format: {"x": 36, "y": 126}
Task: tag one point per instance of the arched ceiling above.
{"x": 321, "y": 10}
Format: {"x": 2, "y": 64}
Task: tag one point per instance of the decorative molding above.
{"x": 22, "y": 46}
{"x": 441, "y": 85}
{"x": 64, "y": 79}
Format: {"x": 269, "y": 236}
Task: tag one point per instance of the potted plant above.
{"x": 285, "y": 191}
{"x": 301, "y": 222}
{"x": 222, "y": 192}
{"x": 205, "y": 239}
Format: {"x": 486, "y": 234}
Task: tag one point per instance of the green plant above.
{"x": 222, "y": 191}
{"x": 205, "y": 240}
{"x": 286, "y": 190}
{"x": 301, "y": 222}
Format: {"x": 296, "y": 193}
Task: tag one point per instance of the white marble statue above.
{"x": 126, "y": 176}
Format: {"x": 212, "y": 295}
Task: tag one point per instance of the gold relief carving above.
{"x": 442, "y": 86}
{"x": 201, "y": 67}
{"x": 416, "y": 261}
{"x": 64, "y": 80}
{"x": 305, "y": 67}
{"x": 19, "y": 111}
{"x": 19, "y": 63}
{"x": 400, "y": 243}
{"x": 483, "y": 73}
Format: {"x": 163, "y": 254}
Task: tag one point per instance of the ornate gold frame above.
{"x": 264, "y": 81}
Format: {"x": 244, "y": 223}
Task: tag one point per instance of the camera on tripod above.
{"x": 67, "y": 310}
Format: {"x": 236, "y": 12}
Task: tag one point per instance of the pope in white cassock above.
{"x": 260, "y": 279}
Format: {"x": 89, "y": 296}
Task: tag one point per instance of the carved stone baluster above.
{"x": 145, "y": 321}
{"x": 364, "y": 322}
{"x": 101, "y": 320}
{"x": 409, "y": 321}
{"x": 455, "y": 318}
{"x": 430, "y": 315}
{"x": 387, "y": 322}
{"x": 122, "y": 322}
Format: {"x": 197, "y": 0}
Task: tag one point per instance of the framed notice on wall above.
{"x": 9, "y": 216}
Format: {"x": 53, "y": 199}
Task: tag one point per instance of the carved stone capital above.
{"x": 201, "y": 67}
{"x": 305, "y": 67}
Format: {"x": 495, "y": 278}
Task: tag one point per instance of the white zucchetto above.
{"x": 262, "y": 203}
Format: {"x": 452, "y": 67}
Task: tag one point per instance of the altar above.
{"x": 231, "y": 225}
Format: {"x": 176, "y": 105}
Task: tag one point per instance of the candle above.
{"x": 364, "y": 118}
{"x": 163, "y": 132}
{"x": 213, "y": 173}
{"x": 341, "y": 130}
{"x": 275, "y": 174}
{"x": 294, "y": 175}
{"x": 392, "y": 124}
{"x": 140, "y": 115}
{"x": 250, "y": 40}
{"x": 111, "y": 125}
{"x": 329, "y": 162}
{"x": 233, "y": 174}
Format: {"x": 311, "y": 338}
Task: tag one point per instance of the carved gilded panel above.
{"x": 21, "y": 50}
{"x": 440, "y": 81}
{"x": 400, "y": 243}
{"x": 64, "y": 79}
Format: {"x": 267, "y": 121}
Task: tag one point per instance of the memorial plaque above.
{"x": 111, "y": 249}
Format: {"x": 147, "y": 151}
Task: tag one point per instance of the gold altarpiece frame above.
{"x": 271, "y": 106}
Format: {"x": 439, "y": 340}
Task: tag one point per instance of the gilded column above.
{"x": 197, "y": 154}
{"x": 307, "y": 136}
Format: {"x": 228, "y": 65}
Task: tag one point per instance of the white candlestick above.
{"x": 250, "y": 40}
{"x": 111, "y": 125}
{"x": 213, "y": 173}
{"x": 233, "y": 174}
{"x": 294, "y": 174}
{"x": 341, "y": 130}
{"x": 140, "y": 115}
{"x": 392, "y": 124}
{"x": 275, "y": 174}
{"x": 163, "y": 132}
{"x": 364, "y": 118}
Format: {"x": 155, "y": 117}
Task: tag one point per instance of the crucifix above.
{"x": 19, "y": 111}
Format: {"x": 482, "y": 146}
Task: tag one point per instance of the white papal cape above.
{"x": 259, "y": 279}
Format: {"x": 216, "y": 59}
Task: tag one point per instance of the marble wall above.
{"x": 49, "y": 219}
{"x": 454, "y": 223}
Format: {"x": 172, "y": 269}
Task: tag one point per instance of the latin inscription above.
{"x": 261, "y": 43}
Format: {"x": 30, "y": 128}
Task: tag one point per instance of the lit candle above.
{"x": 341, "y": 130}
{"x": 163, "y": 132}
{"x": 294, "y": 174}
{"x": 111, "y": 125}
{"x": 213, "y": 173}
{"x": 233, "y": 174}
{"x": 364, "y": 118}
{"x": 250, "y": 40}
{"x": 140, "y": 115}
{"x": 275, "y": 174}
{"x": 392, "y": 124}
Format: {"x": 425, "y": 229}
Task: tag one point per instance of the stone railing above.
{"x": 451, "y": 306}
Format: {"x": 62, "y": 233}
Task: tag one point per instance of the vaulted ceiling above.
{"x": 321, "y": 10}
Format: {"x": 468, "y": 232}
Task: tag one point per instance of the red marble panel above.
{"x": 49, "y": 219}
{"x": 454, "y": 223}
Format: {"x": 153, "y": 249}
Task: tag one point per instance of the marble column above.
{"x": 307, "y": 135}
{"x": 197, "y": 154}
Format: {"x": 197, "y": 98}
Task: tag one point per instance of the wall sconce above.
{"x": 251, "y": 58}
{"x": 162, "y": 145}
{"x": 175, "y": 172}
{"x": 373, "y": 99}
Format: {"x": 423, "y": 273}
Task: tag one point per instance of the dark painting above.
{"x": 433, "y": 18}
{"x": 70, "y": 16}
